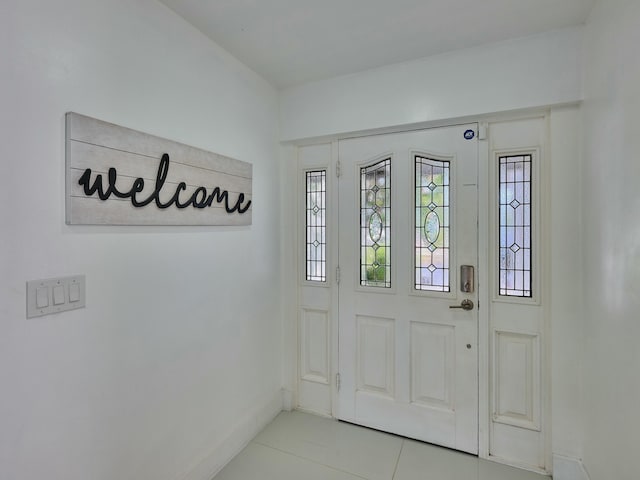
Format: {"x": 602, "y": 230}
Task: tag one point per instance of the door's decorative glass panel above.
{"x": 432, "y": 225}
{"x": 515, "y": 225}
{"x": 375, "y": 225}
{"x": 316, "y": 225}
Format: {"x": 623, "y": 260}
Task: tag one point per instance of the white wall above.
{"x": 611, "y": 235}
{"x": 176, "y": 359}
{"x": 528, "y": 72}
{"x": 565, "y": 291}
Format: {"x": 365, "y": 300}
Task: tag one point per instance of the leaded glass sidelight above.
{"x": 431, "y": 225}
{"x": 515, "y": 225}
{"x": 316, "y": 225}
{"x": 375, "y": 225}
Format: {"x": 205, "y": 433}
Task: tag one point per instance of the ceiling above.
{"x": 290, "y": 42}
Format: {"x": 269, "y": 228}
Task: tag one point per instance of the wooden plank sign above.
{"x": 119, "y": 176}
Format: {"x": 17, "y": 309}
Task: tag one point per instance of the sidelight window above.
{"x": 316, "y": 225}
{"x": 515, "y": 203}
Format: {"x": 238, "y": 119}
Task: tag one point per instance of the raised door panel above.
{"x": 517, "y": 385}
{"x": 376, "y": 354}
{"x": 432, "y": 365}
{"x": 314, "y": 344}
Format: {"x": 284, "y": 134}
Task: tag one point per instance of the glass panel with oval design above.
{"x": 375, "y": 225}
{"x": 432, "y": 190}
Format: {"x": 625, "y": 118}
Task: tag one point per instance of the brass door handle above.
{"x": 465, "y": 305}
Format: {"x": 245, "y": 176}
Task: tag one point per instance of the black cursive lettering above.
{"x": 199, "y": 199}
{"x": 203, "y": 201}
{"x": 97, "y": 185}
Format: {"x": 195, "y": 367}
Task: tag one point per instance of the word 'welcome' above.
{"x": 200, "y": 198}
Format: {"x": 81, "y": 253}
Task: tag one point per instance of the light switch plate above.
{"x": 61, "y": 294}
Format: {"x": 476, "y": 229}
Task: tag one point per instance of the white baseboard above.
{"x": 222, "y": 453}
{"x": 287, "y": 400}
{"x": 566, "y": 468}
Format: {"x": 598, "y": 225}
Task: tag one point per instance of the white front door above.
{"x": 408, "y": 361}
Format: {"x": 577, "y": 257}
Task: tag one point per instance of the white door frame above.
{"x": 484, "y": 353}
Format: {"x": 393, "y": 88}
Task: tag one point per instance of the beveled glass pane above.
{"x": 514, "y": 227}
{"x": 431, "y": 224}
{"x": 432, "y": 227}
{"x": 375, "y": 225}
{"x": 316, "y": 225}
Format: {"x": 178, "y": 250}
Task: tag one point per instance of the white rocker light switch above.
{"x": 58, "y": 295}
{"x": 42, "y": 297}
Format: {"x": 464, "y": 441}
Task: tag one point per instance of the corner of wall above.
{"x": 566, "y": 468}
{"x": 233, "y": 443}
{"x": 288, "y": 269}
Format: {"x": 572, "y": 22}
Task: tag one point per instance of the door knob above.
{"x": 465, "y": 305}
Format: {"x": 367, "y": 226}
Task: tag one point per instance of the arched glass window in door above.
{"x": 432, "y": 224}
{"x": 375, "y": 225}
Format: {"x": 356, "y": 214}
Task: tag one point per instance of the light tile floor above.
{"x": 298, "y": 446}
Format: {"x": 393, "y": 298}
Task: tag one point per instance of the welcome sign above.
{"x": 119, "y": 176}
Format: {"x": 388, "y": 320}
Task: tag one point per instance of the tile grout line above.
{"x": 309, "y": 460}
{"x": 398, "y": 460}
